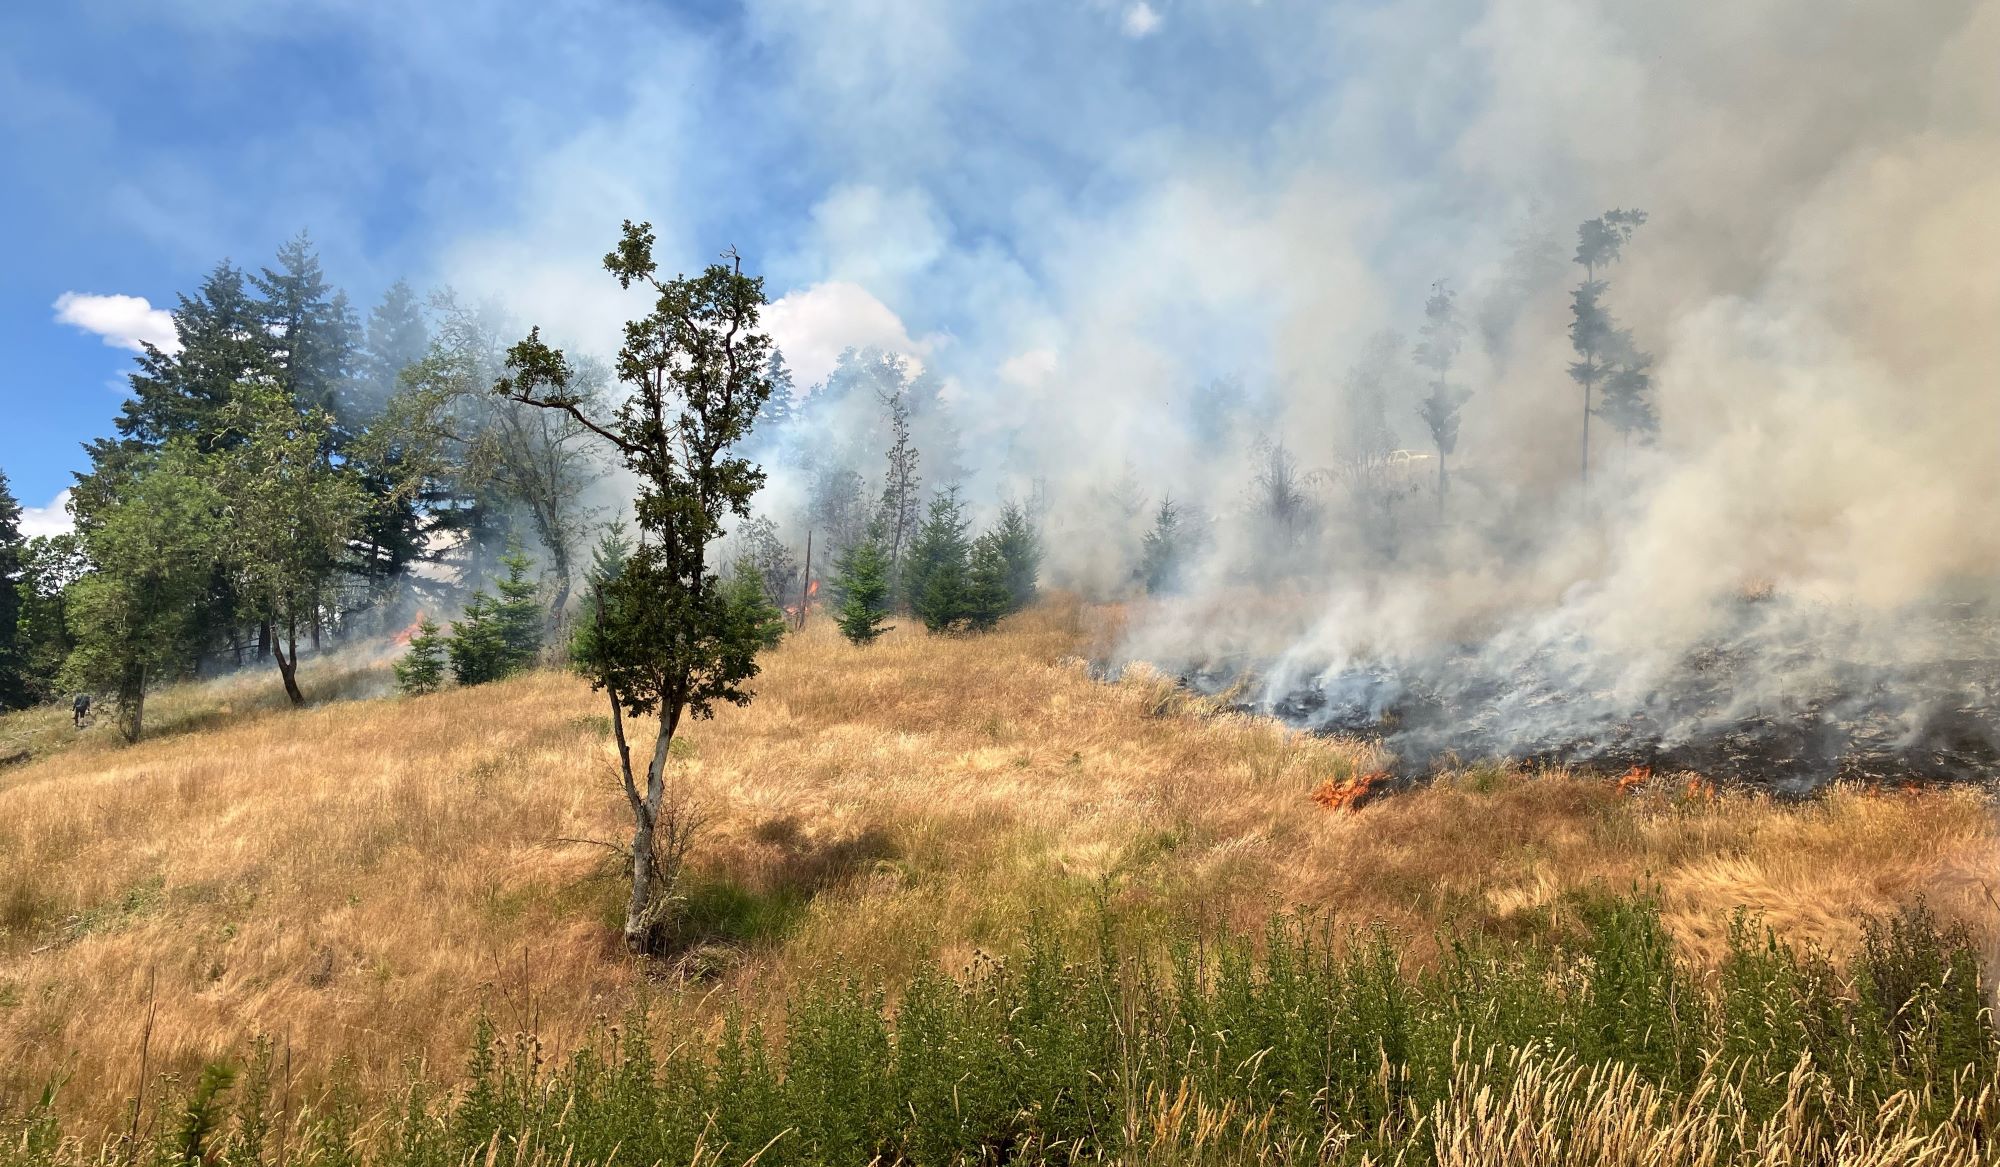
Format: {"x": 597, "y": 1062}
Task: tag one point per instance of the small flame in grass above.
{"x": 812, "y": 588}
{"x": 1701, "y": 789}
{"x": 1634, "y": 778}
{"x": 1348, "y": 794}
{"x": 407, "y": 634}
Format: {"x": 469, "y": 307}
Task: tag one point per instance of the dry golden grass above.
{"x": 361, "y": 880}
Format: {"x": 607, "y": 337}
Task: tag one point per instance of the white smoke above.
{"x": 1815, "y": 279}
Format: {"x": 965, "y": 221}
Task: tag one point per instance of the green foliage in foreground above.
{"x": 1301, "y": 1046}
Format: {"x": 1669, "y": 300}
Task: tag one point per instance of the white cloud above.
{"x": 52, "y": 519}
{"x": 812, "y": 326}
{"x": 125, "y": 322}
{"x": 1141, "y": 19}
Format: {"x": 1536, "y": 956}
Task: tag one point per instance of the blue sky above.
{"x": 942, "y": 158}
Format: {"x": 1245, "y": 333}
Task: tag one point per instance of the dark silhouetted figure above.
{"x": 80, "y": 707}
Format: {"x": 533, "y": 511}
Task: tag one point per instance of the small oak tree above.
{"x": 291, "y": 511}
{"x": 669, "y": 644}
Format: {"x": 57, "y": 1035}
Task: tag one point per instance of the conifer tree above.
{"x": 607, "y": 560}
{"x": 222, "y": 345}
{"x": 987, "y": 597}
{"x": 1160, "y": 551}
{"x": 782, "y": 404}
{"x": 13, "y": 548}
{"x": 936, "y": 575}
{"x": 518, "y": 611}
{"x": 421, "y": 669}
{"x": 899, "y": 509}
{"x": 751, "y": 607}
{"x": 478, "y": 647}
{"x": 861, "y": 581}
{"x": 395, "y": 338}
{"x": 1441, "y": 337}
{"x": 1593, "y": 333}
{"x": 1020, "y": 547}
{"x": 312, "y": 330}
{"x": 1626, "y": 403}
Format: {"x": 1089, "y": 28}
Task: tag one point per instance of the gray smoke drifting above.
{"x": 1223, "y": 311}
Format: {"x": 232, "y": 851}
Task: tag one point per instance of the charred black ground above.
{"x": 1789, "y": 718}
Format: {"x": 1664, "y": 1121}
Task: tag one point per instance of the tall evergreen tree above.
{"x": 1626, "y": 401}
{"x": 222, "y": 344}
{"x": 1441, "y": 337}
{"x": 861, "y": 580}
{"x": 391, "y": 532}
{"x": 780, "y": 406}
{"x": 901, "y": 505}
{"x": 937, "y": 572}
{"x": 13, "y": 549}
{"x": 396, "y": 337}
{"x": 1593, "y": 333}
{"x": 311, "y": 328}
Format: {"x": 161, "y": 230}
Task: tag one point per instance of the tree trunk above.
{"x": 132, "y": 703}
{"x": 1589, "y": 380}
{"x": 642, "y": 911}
{"x": 289, "y": 669}
{"x": 263, "y": 640}
{"x": 556, "y": 606}
{"x": 1586, "y": 436}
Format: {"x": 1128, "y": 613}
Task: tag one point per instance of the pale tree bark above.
{"x": 288, "y": 666}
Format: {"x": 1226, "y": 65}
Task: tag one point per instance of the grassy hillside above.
{"x": 360, "y": 882}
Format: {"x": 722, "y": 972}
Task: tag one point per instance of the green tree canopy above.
{"x": 670, "y": 642}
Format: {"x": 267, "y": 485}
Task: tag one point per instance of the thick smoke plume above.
{"x": 1224, "y": 316}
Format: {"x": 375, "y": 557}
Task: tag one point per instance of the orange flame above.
{"x": 407, "y": 634}
{"x": 1634, "y": 778}
{"x": 1701, "y": 788}
{"x": 1348, "y": 795}
{"x": 812, "y": 588}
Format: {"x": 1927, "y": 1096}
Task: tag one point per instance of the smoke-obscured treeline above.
{"x": 295, "y": 472}
{"x": 292, "y": 475}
